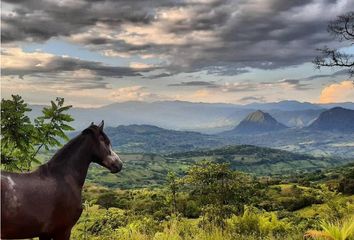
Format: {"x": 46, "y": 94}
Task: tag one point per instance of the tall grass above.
{"x": 343, "y": 230}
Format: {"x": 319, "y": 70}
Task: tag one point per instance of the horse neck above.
{"x": 73, "y": 160}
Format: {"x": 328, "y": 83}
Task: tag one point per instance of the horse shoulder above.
{"x": 68, "y": 197}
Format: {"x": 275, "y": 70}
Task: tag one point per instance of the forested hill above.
{"x": 261, "y": 160}
{"x": 148, "y": 138}
{"x": 258, "y": 152}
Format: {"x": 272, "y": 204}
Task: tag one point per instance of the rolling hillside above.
{"x": 149, "y": 170}
{"x": 147, "y": 138}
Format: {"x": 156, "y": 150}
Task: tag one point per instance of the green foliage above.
{"x": 108, "y": 199}
{"x": 17, "y": 132}
{"x": 346, "y": 184}
{"x": 53, "y": 124}
{"x": 173, "y": 187}
{"x": 207, "y": 211}
{"x": 21, "y": 140}
{"x": 220, "y": 190}
{"x": 260, "y": 224}
{"x": 218, "y": 184}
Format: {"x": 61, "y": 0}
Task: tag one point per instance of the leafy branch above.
{"x": 21, "y": 141}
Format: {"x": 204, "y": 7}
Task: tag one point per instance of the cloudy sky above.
{"x": 95, "y": 52}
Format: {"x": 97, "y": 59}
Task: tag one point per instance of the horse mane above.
{"x": 73, "y": 143}
{"x": 63, "y": 155}
{"x": 68, "y": 147}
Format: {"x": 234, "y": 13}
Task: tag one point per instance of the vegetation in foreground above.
{"x": 212, "y": 201}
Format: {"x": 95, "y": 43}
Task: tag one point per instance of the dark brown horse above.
{"x": 46, "y": 203}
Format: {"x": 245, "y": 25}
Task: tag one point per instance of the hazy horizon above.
{"x": 182, "y": 101}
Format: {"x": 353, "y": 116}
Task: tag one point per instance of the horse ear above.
{"x": 100, "y": 126}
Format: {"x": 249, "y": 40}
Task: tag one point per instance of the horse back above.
{"x": 34, "y": 204}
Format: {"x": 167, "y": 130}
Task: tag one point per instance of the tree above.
{"x": 21, "y": 140}
{"x": 173, "y": 188}
{"x": 343, "y": 30}
{"x": 220, "y": 190}
{"x": 16, "y": 133}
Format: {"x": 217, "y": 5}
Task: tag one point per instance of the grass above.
{"x": 339, "y": 230}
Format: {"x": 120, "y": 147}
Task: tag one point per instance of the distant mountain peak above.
{"x": 335, "y": 119}
{"x": 258, "y": 122}
{"x": 258, "y": 116}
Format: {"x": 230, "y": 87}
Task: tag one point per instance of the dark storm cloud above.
{"x": 223, "y": 37}
{"x": 68, "y": 82}
{"x": 265, "y": 35}
{"x": 67, "y": 64}
{"x": 39, "y": 20}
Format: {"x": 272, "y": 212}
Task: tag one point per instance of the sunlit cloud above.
{"x": 338, "y": 92}
{"x": 139, "y": 65}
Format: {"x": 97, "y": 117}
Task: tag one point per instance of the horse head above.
{"x": 102, "y": 149}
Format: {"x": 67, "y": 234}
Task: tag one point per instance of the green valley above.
{"x": 149, "y": 170}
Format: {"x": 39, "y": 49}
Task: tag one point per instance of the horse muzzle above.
{"x": 117, "y": 167}
{"x": 113, "y": 163}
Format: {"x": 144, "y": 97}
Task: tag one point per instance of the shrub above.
{"x": 256, "y": 223}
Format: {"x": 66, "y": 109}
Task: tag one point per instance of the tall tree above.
{"x": 341, "y": 29}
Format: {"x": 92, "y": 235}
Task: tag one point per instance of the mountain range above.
{"x": 200, "y": 117}
{"x": 323, "y": 137}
